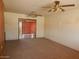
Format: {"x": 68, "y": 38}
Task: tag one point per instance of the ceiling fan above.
{"x": 34, "y": 14}
{"x": 57, "y": 6}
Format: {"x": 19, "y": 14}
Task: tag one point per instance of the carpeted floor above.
{"x": 39, "y": 49}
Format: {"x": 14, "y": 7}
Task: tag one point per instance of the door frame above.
{"x": 22, "y": 19}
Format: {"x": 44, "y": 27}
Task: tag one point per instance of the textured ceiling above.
{"x": 26, "y": 6}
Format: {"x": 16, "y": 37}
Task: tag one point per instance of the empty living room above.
{"x": 39, "y": 29}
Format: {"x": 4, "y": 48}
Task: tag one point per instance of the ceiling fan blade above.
{"x": 33, "y": 14}
{"x": 62, "y": 9}
{"x": 49, "y": 10}
{"x": 67, "y": 5}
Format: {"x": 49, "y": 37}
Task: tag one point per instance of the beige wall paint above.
{"x": 11, "y": 25}
{"x": 63, "y": 28}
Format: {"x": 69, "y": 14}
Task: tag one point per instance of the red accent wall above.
{"x": 28, "y": 27}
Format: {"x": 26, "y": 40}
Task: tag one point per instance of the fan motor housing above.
{"x": 57, "y": 2}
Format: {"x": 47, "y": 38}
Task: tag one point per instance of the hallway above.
{"x": 39, "y": 49}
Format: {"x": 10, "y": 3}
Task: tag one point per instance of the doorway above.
{"x": 27, "y": 28}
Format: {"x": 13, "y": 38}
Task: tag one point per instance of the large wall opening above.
{"x": 27, "y": 28}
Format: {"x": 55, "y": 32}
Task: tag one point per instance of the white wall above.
{"x": 63, "y": 28}
{"x": 11, "y": 25}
